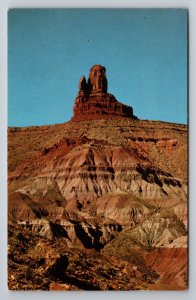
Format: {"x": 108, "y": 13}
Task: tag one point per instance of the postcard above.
{"x": 97, "y": 149}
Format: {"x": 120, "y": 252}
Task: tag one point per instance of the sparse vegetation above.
{"x": 91, "y": 206}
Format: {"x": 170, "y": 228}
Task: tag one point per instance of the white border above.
{"x": 4, "y": 6}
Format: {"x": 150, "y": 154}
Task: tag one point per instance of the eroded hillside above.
{"x": 115, "y": 189}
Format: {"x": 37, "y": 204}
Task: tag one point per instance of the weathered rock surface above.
{"x": 113, "y": 188}
{"x": 162, "y": 242}
{"x": 75, "y": 233}
{"x": 93, "y": 101}
{"x": 31, "y": 257}
{"x": 171, "y": 265}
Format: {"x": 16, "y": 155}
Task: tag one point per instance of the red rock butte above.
{"x": 94, "y": 102}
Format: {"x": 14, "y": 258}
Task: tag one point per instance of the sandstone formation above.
{"x": 93, "y": 101}
{"x": 100, "y": 203}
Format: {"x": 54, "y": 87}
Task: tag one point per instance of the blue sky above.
{"x": 143, "y": 50}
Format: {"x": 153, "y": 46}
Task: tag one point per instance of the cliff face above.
{"x": 102, "y": 198}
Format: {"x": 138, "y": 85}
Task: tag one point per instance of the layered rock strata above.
{"x": 115, "y": 188}
{"x": 93, "y": 101}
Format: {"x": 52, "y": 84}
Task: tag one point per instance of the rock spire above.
{"x": 94, "y": 102}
